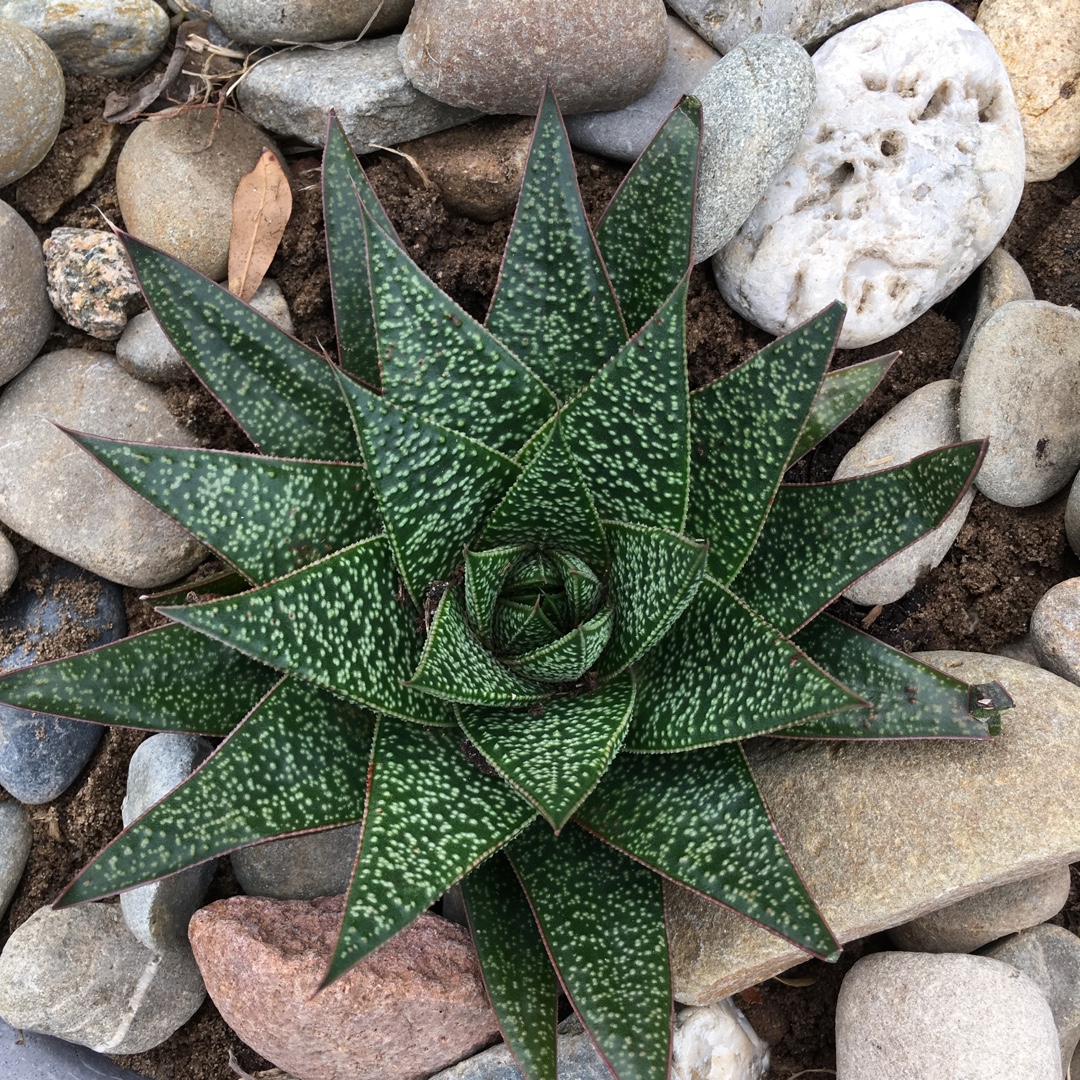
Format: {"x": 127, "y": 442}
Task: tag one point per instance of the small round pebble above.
{"x": 191, "y": 155}
{"x": 977, "y": 920}
{"x": 112, "y": 38}
{"x": 1055, "y": 630}
{"x": 263, "y": 22}
{"x": 945, "y": 1017}
{"x": 597, "y": 54}
{"x": 26, "y": 316}
{"x": 299, "y": 867}
{"x": 1021, "y": 390}
{"x": 91, "y": 283}
{"x": 145, "y": 352}
{"x": 16, "y": 836}
{"x": 9, "y": 564}
{"x": 31, "y": 100}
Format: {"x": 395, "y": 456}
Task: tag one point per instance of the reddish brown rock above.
{"x": 414, "y": 1006}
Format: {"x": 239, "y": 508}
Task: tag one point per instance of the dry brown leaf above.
{"x": 261, "y": 209}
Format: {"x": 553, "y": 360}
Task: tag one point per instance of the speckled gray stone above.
{"x": 917, "y": 1015}
{"x": 53, "y": 493}
{"x": 1050, "y": 956}
{"x": 16, "y": 836}
{"x": 1072, "y": 517}
{"x": 1022, "y": 650}
{"x": 624, "y": 133}
{"x": 291, "y": 93}
{"x": 145, "y": 352}
{"x": 977, "y": 920}
{"x": 883, "y": 832}
{"x": 26, "y": 316}
{"x": 158, "y": 913}
{"x": 78, "y": 973}
{"x": 1022, "y": 390}
{"x": 1055, "y": 630}
{"x": 113, "y": 38}
{"x": 299, "y": 867}
{"x": 31, "y": 100}
{"x": 262, "y": 22}
{"x": 755, "y": 103}
{"x": 1001, "y": 280}
{"x": 809, "y": 22}
{"x": 185, "y": 154}
{"x": 923, "y": 421}
{"x": 26, "y": 1055}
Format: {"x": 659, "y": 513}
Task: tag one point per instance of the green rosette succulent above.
{"x": 510, "y": 595}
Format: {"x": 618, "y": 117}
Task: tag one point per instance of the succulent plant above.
{"x": 510, "y": 595}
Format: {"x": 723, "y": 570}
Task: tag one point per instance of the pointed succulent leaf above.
{"x": 227, "y": 582}
{"x": 654, "y": 575}
{"x": 645, "y": 234}
{"x": 908, "y": 699}
{"x": 435, "y": 486}
{"x": 437, "y": 360}
{"x": 629, "y": 430}
{"x": 555, "y": 753}
{"x": 420, "y": 838}
{"x": 168, "y": 679}
{"x": 699, "y": 819}
{"x": 853, "y": 524}
{"x": 745, "y": 425}
{"x": 582, "y": 586}
{"x": 518, "y": 627}
{"x": 755, "y": 681}
{"x": 841, "y": 393}
{"x": 282, "y": 394}
{"x": 485, "y": 572}
{"x": 550, "y": 506}
{"x": 456, "y": 666}
{"x": 553, "y": 304}
{"x": 343, "y": 182}
{"x": 305, "y": 738}
{"x": 602, "y": 918}
{"x": 517, "y": 973}
{"x": 336, "y": 623}
{"x": 267, "y": 516}
{"x": 569, "y": 657}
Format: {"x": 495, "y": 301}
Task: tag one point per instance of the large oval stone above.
{"x": 26, "y": 316}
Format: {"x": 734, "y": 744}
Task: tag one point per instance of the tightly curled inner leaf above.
{"x": 511, "y": 586}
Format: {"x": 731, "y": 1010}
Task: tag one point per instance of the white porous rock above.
{"x": 908, "y": 174}
{"x": 809, "y": 22}
{"x": 56, "y": 495}
{"x": 1021, "y": 390}
{"x": 923, "y": 421}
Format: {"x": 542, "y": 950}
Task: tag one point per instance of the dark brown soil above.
{"x": 979, "y": 598}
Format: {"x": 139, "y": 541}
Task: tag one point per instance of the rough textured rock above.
{"x": 91, "y": 283}
{"x": 946, "y": 1017}
{"x": 184, "y": 153}
{"x": 53, "y": 493}
{"x": 923, "y": 421}
{"x": 262, "y": 22}
{"x": 1022, "y": 390}
{"x": 907, "y": 175}
{"x": 1001, "y": 280}
{"x": 16, "y": 837}
{"x": 1039, "y": 40}
{"x": 1050, "y": 956}
{"x": 624, "y": 133}
{"x": 755, "y": 103}
{"x": 1055, "y": 630}
{"x": 77, "y": 973}
{"x": 809, "y": 22}
{"x": 113, "y": 38}
{"x": 26, "y": 316}
{"x": 598, "y": 54}
{"x": 31, "y": 100}
{"x": 878, "y": 843}
{"x": 299, "y": 867}
{"x": 987, "y": 916}
{"x": 415, "y": 1005}
{"x": 292, "y": 92}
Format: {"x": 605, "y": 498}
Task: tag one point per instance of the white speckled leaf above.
{"x": 566, "y": 658}
{"x": 484, "y": 575}
{"x": 602, "y": 917}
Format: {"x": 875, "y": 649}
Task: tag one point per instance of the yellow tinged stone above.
{"x": 884, "y": 832}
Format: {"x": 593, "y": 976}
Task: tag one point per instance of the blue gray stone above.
{"x": 158, "y": 913}
{"x": 25, "y": 1055}
{"x": 41, "y": 755}
{"x": 16, "y": 836}
{"x": 299, "y": 867}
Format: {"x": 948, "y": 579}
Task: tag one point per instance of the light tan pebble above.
{"x": 26, "y": 316}
{"x": 1055, "y": 630}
